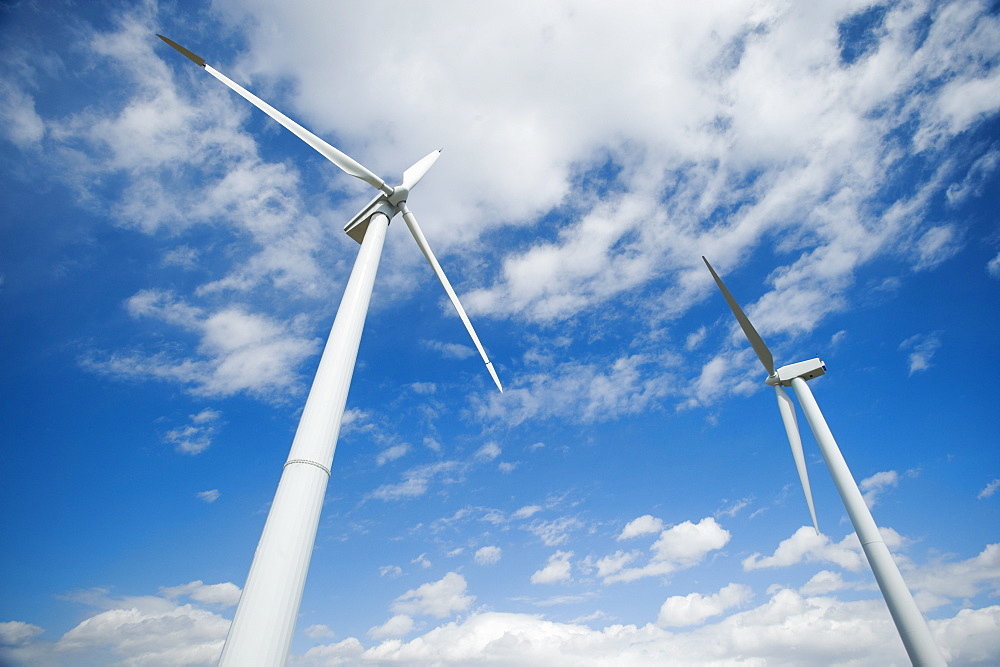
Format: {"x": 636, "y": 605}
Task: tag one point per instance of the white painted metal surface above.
{"x": 262, "y": 630}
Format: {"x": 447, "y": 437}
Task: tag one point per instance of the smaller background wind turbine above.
{"x": 910, "y": 623}
{"x": 264, "y": 623}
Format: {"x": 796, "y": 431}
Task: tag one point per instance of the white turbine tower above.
{"x": 262, "y": 629}
{"x": 910, "y": 623}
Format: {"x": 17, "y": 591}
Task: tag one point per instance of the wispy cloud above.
{"x": 209, "y": 496}
{"x": 989, "y": 490}
{"x": 921, "y": 348}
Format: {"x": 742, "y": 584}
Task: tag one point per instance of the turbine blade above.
{"x": 787, "y": 410}
{"x": 756, "y": 342}
{"x": 198, "y": 60}
{"x": 417, "y": 170}
{"x": 418, "y": 236}
{"x": 342, "y": 160}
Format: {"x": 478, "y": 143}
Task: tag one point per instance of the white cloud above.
{"x": 993, "y": 266}
{"x": 608, "y": 565}
{"x": 238, "y": 352}
{"x": 823, "y": 582}
{"x": 438, "y": 599}
{"x": 644, "y": 525}
{"x": 693, "y": 609}
{"x": 416, "y": 481}
{"x": 21, "y": 123}
{"x": 786, "y": 629}
{"x": 449, "y": 350}
{"x": 872, "y": 487}
{"x": 557, "y": 569}
{"x": 527, "y": 511}
{"x": 555, "y": 532}
{"x": 806, "y": 546}
{"x": 209, "y": 496}
{"x": 989, "y": 490}
{"x": 318, "y": 632}
{"x": 591, "y": 391}
{"x": 146, "y": 630}
{"x": 390, "y": 571}
{"x": 936, "y": 245}
{"x": 944, "y": 581}
{"x": 15, "y": 633}
{"x": 678, "y": 547}
{"x": 922, "y": 348}
{"x": 222, "y": 595}
{"x": 695, "y": 338}
{"x": 197, "y": 436}
{"x": 391, "y": 454}
{"x": 422, "y": 561}
{"x": 488, "y": 555}
{"x": 397, "y": 626}
{"x": 487, "y": 452}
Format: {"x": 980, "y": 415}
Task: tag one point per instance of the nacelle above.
{"x": 807, "y": 370}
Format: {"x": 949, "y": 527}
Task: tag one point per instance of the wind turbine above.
{"x": 262, "y": 628}
{"x": 910, "y": 623}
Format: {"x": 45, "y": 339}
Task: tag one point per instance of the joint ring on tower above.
{"x": 308, "y": 462}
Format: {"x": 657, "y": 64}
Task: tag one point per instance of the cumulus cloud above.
{"x": 397, "y": 626}
{"x": 943, "y": 581}
{"x": 612, "y": 563}
{"x": 806, "y": 546}
{"x": 438, "y": 598}
{"x": 694, "y": 608}
{"x": 133, "y": 630}
{"x": 318, "y": 632}
{"x": 16, "y": 633}
{"x": 643, "y": 525}
{"x": 678, "y": 547}
{"x": 557, "y": 569}
{"x": 488, "y": 555}
{"x": 823, "y": 582}
{"x": 222, "y": 595}
{"x": 787, "y": 629}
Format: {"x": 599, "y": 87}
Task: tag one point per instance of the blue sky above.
{"x": 171, "y": 261}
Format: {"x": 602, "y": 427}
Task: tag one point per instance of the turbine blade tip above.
{"x": 196, "y": 59}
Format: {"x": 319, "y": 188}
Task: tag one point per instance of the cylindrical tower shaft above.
{"x": 910, "y": 623}
{"x": 262, "y": 629}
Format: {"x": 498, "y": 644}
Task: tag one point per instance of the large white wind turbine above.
{"x": 262, "y": 629}
{"x": 910, "y": 623}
